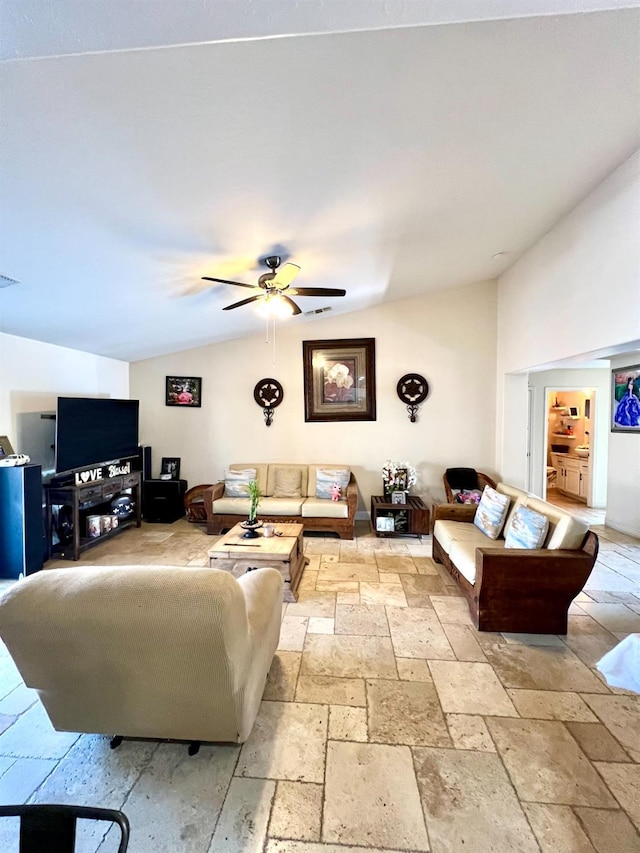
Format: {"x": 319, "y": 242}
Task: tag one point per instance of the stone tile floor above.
{"x": 388, "y": 722}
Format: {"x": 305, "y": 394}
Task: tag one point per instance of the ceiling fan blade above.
{"x": 225, "y": 281}
{"x": 285, "y": 275}
{"x": 295, "y": 309}
{"x": 244, "y": 302}
{"x": 318, "y": 291}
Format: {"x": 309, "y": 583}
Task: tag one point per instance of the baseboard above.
{"x": 362, "y": 515}
{"x": 622, "y": 528}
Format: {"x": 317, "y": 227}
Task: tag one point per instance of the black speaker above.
{"x": 145, "y": 461}
{"x": 163, "y": 500}
{"x": 21, "y": 521}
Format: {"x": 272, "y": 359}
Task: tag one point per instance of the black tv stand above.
{"x": 77, "y": 503}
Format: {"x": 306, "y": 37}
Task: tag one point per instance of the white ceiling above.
{"x": 385, "y": 147}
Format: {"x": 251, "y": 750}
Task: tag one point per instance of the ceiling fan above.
{"x": 275, "y": 285}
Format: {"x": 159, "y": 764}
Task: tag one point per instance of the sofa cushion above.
{"x": 516, "y": 496}
{"x": 321, "y": 508}
{"x": 261, "y": 473}
{"x": 326, "y": 477}
{"x": 280, "y": 506}
{"x": 231, "y": 506}
{"x": 492, "y": 512}
{"x": 287, "y": 481}
{"x": 236, "y": 483}
{"x": 526, "y": 529}
{"x": 565, "y": 531}
{"x": 463, "y": 555}
{"x": 313, "y": 471}
{"x": 447, "y": 532}
{"x": 266, "y": 507}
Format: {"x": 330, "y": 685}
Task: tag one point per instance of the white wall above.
{"x": 512, "y": 407}
{"x": 595, "y": 378}
{"x": 34, "y": 374}
{"x": 577, "y": 290}
{"x": 574, "y": 293}
{"x": 448, "y": 337}
{"x": 623, "y": 483}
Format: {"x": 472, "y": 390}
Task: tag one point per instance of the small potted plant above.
{"x": 252, "y": 522}
{"x": 254, "y": 494}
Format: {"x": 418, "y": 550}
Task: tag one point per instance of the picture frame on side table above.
{"x": 184, "y": 391}
{"x": 339, "y": 380}
{"x": 398, "y": 497}
{"x": 385, "y": 524}
{"x": 5, "y": 446}
{"x": 170, "y": 465}
{"x": 625, "y": 399}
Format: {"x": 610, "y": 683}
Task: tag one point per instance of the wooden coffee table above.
{"x": 283, "y": 551}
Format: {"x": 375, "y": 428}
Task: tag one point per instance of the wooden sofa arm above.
{"x": 513, "y": 567}
{"x": 352, "y": 497}
{"x": 530, "y": 590}
{"x": 210, "y": 495}
{"x": 453, "y": 512}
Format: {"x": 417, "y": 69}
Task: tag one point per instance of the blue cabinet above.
{"x": 22, "y": 540}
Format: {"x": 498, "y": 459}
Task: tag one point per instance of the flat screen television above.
{"x": 94, "y": 430}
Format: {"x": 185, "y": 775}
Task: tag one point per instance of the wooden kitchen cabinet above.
{"x": 572, "y": 476}
{"x": 583, "y": 491}
{"x": 572, "y": 479}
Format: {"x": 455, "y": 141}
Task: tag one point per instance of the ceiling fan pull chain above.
{"x": 274, "y": 338}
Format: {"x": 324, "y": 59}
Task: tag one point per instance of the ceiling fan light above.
{"x": 273, "y": 305}
{"x": 281, "y": 308}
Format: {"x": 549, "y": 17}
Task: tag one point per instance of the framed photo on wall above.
{"x": 185, "y": 391}
{"x": 339, "y": 380}
{"x": 625, "y": 399}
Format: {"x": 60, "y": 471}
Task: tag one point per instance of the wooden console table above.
{"x": 408, "y": 519}
{"x": 78, "y": 503}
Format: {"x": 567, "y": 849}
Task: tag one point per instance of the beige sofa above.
{"x": 319, "y": 514}
{"x": 513, "y": 589}
{"x": 149, "y": 652}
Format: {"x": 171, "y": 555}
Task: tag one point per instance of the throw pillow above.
{"x": 491, "y": 513}
{"x": 326, "y": 477}
{"x": 288, "y": 483}
{"x": 526, "y": 529}
{"x": 236, "y": 483}
{"x": 469, "y": 496}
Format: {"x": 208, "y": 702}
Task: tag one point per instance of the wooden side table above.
{"x": 409, "y": 519}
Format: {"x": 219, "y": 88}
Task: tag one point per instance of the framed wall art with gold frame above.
{"x": 339, "y": 380}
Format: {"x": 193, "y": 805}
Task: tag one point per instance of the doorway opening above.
{"x": 570, "y": 450}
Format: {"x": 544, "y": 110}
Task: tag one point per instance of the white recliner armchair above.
{"x": 146, "y": 651}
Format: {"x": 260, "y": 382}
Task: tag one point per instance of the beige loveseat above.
{"x": 314, "y": 513}
{"x": 149, "y": 652}
{"x": 514, "y": 589}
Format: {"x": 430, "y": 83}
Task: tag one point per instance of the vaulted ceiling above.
{"x": 385, "y": 148}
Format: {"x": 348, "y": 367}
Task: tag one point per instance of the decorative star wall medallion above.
{"x": 412, "y": 390}
{"x": 268, "y": 393}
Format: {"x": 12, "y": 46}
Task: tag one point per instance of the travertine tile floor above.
{"x": 388, "y": 722}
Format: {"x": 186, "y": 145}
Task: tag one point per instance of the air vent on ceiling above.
{"x": 317, "y": 311}
{"x": 5, "y": 281}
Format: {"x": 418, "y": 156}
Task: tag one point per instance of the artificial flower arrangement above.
{"x": 398, "y": 476}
